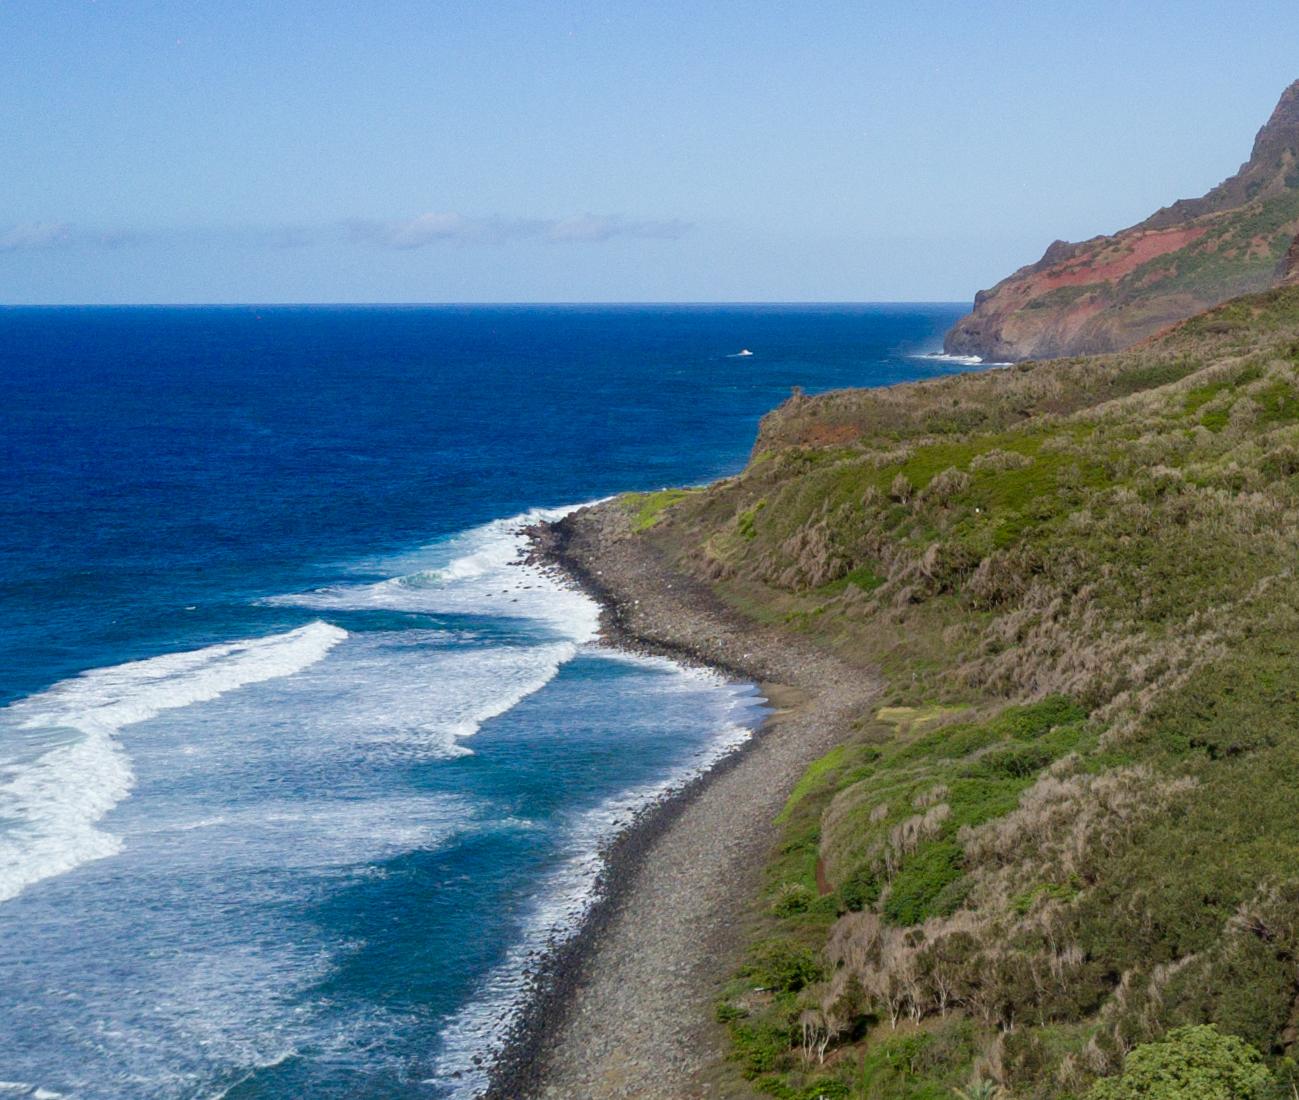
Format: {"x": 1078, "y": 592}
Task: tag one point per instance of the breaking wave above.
{"x": 64, "y": 768}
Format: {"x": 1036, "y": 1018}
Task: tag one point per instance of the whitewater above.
{"x": 410, "y": 694}
{"x": 300, "y": 766}
{"x": 63, "y": 768}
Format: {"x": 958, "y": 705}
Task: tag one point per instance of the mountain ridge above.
{"x": 1114, "y": 290}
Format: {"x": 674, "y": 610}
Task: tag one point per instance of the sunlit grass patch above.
{"x": 648, "y": 508}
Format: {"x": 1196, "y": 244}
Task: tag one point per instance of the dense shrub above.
{"x": 860, "y": 890}
{"x": 793, "y": 898}
{"x": 915, "y": 892}
{"x": 782, "y": 966}
{"x": 1191, "y": 1063}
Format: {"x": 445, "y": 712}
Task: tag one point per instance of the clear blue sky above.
{"x": 610, "y": 151}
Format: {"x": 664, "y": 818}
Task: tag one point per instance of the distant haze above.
{"x": 666, "y": 151}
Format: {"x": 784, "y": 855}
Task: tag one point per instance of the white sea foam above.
{"x": 405, "y": 693}
{"x": 478, "y": 1034}
{"x": 63, "y": 767}
{"x": 256, "y": 806}
{"x": 480, "y": 685}
{"x": 477, "y": 572}
{"x": 317, "y": 834}
{"x": 959, "y": 360}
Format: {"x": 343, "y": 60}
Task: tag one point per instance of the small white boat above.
{"x": 743, "y": 353}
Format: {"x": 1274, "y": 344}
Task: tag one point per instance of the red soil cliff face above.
{"x": 1112, "y": 291}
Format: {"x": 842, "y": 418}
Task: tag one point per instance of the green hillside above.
{"x": 1072, "y": 825}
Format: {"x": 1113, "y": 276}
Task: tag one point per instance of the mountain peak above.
{"x": 1280, "y": 134}
{"x": 1270, "y": 168}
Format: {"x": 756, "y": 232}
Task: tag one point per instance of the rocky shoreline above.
{"x": 625, "y": 1008}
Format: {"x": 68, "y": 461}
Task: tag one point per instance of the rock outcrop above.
{"x": 1288, "y": 273}
{"x": 1110, "y": 292}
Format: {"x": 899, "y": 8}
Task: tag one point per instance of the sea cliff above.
{"x": 1111, "y": 292}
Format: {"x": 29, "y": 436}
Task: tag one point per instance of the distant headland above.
{"x": 1111, "y": 292}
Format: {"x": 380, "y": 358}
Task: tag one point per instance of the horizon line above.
{"x": 565, "y": 304}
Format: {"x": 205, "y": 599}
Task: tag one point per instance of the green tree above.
{"x": 1189, "y": 1063}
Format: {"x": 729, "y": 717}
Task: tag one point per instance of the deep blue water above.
{"x": 295, "y": 766}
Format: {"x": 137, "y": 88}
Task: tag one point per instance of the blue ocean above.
{"x": 298, "y": 766}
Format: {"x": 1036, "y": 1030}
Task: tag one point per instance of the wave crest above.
{"x": 65, "y": 768}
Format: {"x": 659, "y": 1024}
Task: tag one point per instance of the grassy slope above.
{"x": 1074, "y": 825}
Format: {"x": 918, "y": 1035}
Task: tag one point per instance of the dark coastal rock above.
{"x": 1110, "y": 292}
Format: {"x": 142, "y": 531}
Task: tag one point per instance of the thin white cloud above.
{"x": 30, "y": 236}
{"x": 435, "y": 228}
{"x": 454, "y": 228}
{"x": 594, "y": 227}
{"x": 442, "y": 226}
{"x": 284, "y": 237}
{"x": 39, "y": 236}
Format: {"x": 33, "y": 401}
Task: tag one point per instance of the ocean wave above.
{"x": 64, "y": 768}
{"x": 477, "y": 572}
{"x": 684, "y": 677}
{"x": 466, "y": 688}
{"x": 479, "y": 1033}
{"x": 353, "y": 834}
{"x": 542, "y": 665}
{"x": 959, "y": 360}
{"x": 480, "y": 573}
